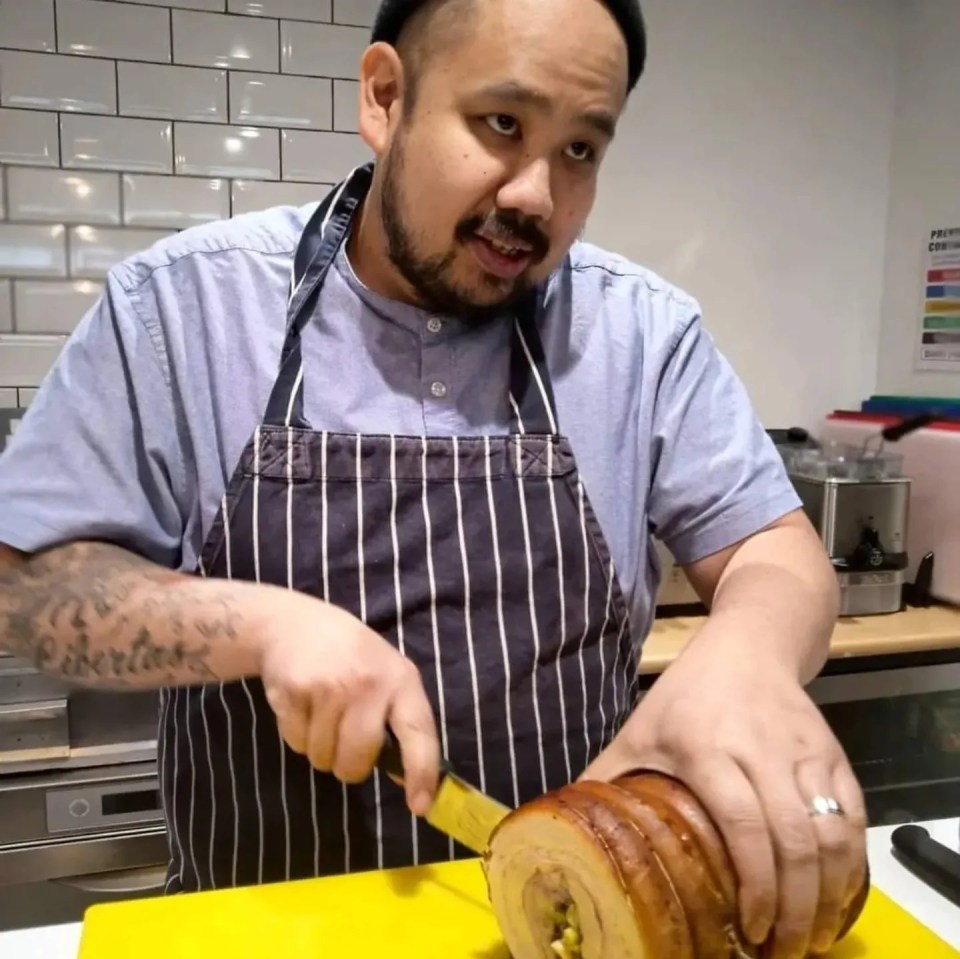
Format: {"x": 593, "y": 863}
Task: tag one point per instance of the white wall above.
{"x": 752, "y": 168}
{"x": 121, "y": 122}
{"x": 925, "y": 189}
{"x": 754, "y": 172}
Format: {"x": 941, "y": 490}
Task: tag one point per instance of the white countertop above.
{"x": 940, "y": 915}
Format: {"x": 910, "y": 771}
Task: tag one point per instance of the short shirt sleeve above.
{"x": 716, "y": 476}
{"x": 97, "y": 455}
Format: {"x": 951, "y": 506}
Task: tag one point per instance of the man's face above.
{"x": 489, "y": 179}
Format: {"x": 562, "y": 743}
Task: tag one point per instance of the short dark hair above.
{"x": 394, "y": 14}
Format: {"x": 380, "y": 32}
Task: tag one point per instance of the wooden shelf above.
{"x": 909, "y": 631}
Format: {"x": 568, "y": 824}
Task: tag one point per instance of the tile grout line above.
{"x": 56, "y": 29}
{"x": 173, "y": 63}
{"x": 172, "y": 119}
{"x": 162, "y": 63}
{"x": 5, "y": 191}
{"x": 121, "y": 205}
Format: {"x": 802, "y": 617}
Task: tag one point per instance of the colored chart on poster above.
{"x": 939, "y": 342}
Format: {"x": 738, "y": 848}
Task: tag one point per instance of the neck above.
{"x": 367, "y": 250}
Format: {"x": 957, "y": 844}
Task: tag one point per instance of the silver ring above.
{"x": 825, "y": 806}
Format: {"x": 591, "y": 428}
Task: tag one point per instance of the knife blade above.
{"x": 459, "y": 809}
{"x": 934, "y": 863}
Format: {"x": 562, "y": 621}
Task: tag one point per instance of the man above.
{"x": 393, "y": 461}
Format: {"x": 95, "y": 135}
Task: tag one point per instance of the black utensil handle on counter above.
{"x": 929, "y": 860}
{"x": 904, "y": 428}
{"x": 391, "y": 758}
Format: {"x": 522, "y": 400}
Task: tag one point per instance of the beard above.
{"x": 433, "y": 277}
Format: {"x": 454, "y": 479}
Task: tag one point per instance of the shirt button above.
{"x": 434, "y": 325}
{"x": 438, "y": 389}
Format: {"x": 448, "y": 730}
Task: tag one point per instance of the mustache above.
{"x": 508, "y": 227}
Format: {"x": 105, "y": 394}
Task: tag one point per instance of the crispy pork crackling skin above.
{"x": 632, "y": 869}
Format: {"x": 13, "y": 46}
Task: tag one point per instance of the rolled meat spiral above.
{"x": 633, "y": 869}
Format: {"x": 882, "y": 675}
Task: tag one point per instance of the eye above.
{"x": 581, "y": 152}
{"x": 502, "y": 123}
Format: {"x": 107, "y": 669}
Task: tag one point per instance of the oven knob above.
{"x": 79, "y": 808}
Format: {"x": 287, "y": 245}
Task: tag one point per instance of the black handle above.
{"x": 929, "y": 860}
{"x": 391, "y": 758}
{"x": 899, "y": 430}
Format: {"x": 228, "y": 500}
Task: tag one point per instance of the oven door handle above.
{"x": 122, "y": 882}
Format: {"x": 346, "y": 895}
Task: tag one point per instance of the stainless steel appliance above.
{"x": 859, "y": 503}
{"x": 80, "y": 817}
{"x": 898, "y": 720}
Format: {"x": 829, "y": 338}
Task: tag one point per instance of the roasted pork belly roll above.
{"x": 633, "y": 869}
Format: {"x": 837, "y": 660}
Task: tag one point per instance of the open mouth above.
{"x": 505, "y": 259}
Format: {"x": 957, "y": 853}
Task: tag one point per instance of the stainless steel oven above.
{"x": 80, "y": 816}
{"x": 898, "y": 719}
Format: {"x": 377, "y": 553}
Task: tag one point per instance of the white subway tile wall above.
{"x": 25, "y": 359}
{"x": 62, "y": 196}
{"x": 29, "y": 136}
{"x": 95, "y": 249}
{"x": 43, "y": 81}
{"x": 99, "y": 28}
{"x": 6, "y": 306}
{"x": 124, "y": 121}
{"x": 269, "y": 100}
{"x": 32, "y": 250}
{"x": 174, "y": 201}
{"x": 179, "y": 93}
{"x": 251, "y": 195}
{"x": 28, "y": 26}
{"x": 319, "y": 10}
{"x": 205, "y": 150}
{"x": 320, "y": 50}
{"x": 321, "y": 157}
{"x": 360, "y": 13}
{"x": 346, "y": 102}
{"x": 52, "y": 306}
{"x": 116, "y": 143}
{"x": 214, "y": 40}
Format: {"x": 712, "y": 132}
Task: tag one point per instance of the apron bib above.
{"x": 478, "y": 557}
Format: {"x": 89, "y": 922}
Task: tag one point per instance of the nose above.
{"x": 529, "y": 190}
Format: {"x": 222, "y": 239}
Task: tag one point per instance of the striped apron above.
{"x": 478, "y": 557}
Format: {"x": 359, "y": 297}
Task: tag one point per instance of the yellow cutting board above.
{"x": 433, "y": 912}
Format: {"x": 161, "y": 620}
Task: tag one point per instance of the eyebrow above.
{"x": 513, "y": 92}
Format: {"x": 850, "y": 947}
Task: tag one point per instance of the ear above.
{"x": 382, "y": 88}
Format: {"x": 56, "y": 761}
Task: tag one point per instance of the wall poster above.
{"x": 938, "y": 347}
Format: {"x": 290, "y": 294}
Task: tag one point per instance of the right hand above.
{"x": 335, "y": 685}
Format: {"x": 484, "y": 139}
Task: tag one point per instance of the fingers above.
{"x": 325, "y": 717}
{"x": 359, "y": 740}
{"x": 293, "y": 716}
{"x": 411, "y": 719}
{"x": 848, "y": 793}
{"x": 833, "y": 837}
{"x": 797, "y": 853}
{"x": 734, "y": 806}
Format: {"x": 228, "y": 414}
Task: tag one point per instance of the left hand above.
{"x": 747, "y": 740}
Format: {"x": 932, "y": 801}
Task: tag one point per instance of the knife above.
{"x": 459, "y": 810}
{"x": 937, "y": 865}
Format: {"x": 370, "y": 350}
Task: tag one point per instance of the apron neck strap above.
{"x": 532, "y": 405}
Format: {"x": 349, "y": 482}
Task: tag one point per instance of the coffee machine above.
{"x": 858, "y": 500}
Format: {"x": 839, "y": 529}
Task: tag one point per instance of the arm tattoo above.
{"x": 97, "y": 614}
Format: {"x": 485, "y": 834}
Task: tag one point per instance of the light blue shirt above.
{"x": 135, "y": 433}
